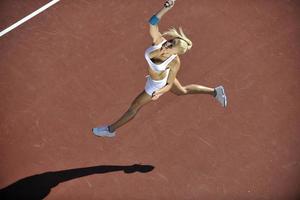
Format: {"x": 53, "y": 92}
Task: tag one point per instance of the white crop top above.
{"x": 157, "y": 67}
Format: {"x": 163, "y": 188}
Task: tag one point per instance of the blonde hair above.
{"x": 184, "y": 43}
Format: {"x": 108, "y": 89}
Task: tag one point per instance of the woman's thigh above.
{"x": 177, "y": 88}
{"x": 142, "y": 99}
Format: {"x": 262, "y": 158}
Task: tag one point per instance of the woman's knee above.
{"x": 132, "y": 111}
{"x": 182, "y": 91}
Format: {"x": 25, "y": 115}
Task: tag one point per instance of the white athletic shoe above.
{"x": 103, "y": 132}
{"x": 221, "y": 96}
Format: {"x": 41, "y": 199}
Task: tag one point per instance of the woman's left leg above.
{"x": 178, "y": 89}
{"x": 142, "y": 99}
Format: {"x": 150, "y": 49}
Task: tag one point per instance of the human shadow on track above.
{"x": 39, "y": 186}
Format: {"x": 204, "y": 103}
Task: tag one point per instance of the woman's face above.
{"x": 170, "y": 46}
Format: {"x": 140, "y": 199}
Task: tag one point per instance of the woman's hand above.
{"x": 167, "y": 6}
{"x": 169, "y": 3}
{"x": 156, "y": 95}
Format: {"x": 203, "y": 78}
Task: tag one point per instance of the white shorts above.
{"x": 154, "y": 85}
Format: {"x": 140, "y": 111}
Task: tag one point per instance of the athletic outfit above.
{"x": 154, "y": 85}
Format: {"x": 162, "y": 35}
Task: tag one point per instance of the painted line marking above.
{"x": 28, "y": 17}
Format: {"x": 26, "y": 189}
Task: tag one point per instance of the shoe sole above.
{"x": 225, "y": 97}
{"x": 108, "y": 135}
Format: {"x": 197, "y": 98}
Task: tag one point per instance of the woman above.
{"x": 164, "y": 63}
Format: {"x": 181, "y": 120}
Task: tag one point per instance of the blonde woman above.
{"x": 164, "y": 63}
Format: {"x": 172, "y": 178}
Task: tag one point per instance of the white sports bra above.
{"x": 158, "y": 67}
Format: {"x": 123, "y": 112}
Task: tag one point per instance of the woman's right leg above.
{"x": 218, "y": 93}
{"x": 178, "y": 89}
{"x": 142, "y": 99}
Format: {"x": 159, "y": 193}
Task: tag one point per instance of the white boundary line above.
{"x": 28, "y": 17}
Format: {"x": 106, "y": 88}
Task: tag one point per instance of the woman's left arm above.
{"x": 154, "y": 20}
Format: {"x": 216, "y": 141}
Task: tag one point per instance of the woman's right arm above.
{"x": 154, "y": 20}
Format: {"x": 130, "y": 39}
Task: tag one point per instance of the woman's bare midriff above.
{"x": 156, "y": 75}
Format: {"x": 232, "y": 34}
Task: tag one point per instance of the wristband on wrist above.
{"x": 154, "y": 20}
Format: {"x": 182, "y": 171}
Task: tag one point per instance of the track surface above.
{"x": 80, "y": 63}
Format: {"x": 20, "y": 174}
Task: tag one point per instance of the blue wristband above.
{"x": 154, "y": 20}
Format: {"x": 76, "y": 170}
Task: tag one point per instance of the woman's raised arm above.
{"x": 154, "y": 20}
